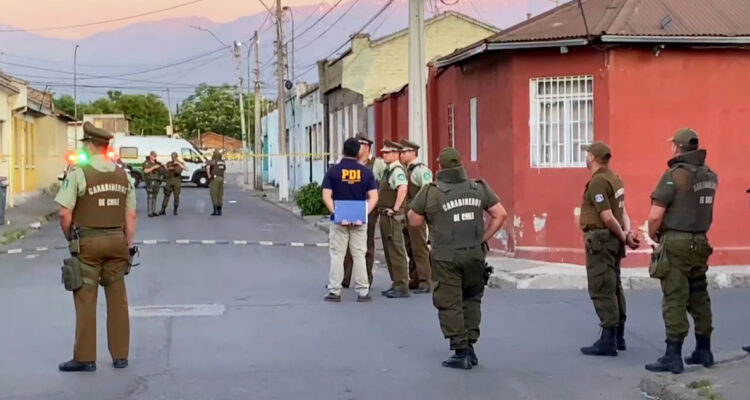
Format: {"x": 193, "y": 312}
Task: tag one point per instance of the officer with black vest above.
{"x": 97, "y": 217}
{"x": 454, "y": 207}
{"x": 681, "y": 215}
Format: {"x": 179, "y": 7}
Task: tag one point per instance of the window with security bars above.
{"x": 562, "y": 120}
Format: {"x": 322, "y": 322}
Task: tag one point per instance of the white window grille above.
{"x": 451, "y": 127}
{"x": 474, "y": 139}
{"x": 561, "y": 120}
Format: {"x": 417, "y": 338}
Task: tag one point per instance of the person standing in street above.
{"x": 391, "y": 197}
{"x": 173, "y": 184}
{"x": 349, "y": 180}
{"x": 681, "y": 215}
{"x": 376, "y": 165}
{"x": 97, "y": 217}
{"x": 215, "y": 171}
{"x": 454, "y": 207}
{"x": 418, "y": 175}
{"x": 154, "y": 171}
{"x": 606, "y": 230}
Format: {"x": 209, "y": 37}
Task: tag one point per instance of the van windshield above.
{"x": 191, "y": 156}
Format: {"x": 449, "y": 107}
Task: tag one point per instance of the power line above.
{"x": 190, "y": 59}
{"x": 354, "y": 3}
{"x": 297, "y": 36}
{"x": 104, "y": 21}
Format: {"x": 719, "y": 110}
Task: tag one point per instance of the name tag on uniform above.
{"x": 350, "y": 210}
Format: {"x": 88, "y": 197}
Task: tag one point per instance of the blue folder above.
{"x": 350, "y": 210}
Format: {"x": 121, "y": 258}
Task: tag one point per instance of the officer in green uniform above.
{"x": 681, "y": 215}
{"x": 606, "y": 230}
{"x": 97, "y": 216}
{"x": 215, "y": 170}
{"x": 154, "y": 171}
{"x": 391, "y": 197}
{"x": 454, "y": 208}
{"x": 174, "y": 170}
{"x": 376, "y": 165}
{"x": 418, "y": 175}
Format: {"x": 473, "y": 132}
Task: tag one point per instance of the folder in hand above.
{"x": 350, "y": 210}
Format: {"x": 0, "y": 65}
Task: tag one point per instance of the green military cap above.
{"x": 600, "y": 150}
{"x": 684, "y": 137}
{"x": 363, "y": 139}
{"x": 449, "y": 158}
{"x": 94, "y": 134}
{"x": 390, "y": 146}
{"x": 174, "y": 154}
{"x": 408, "y": 145}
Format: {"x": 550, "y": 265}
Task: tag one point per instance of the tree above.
{"x": 147, "y": 112}
{"x": 215, "y": 109}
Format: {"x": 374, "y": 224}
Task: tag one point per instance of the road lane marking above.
{"x": 184, "y": 310}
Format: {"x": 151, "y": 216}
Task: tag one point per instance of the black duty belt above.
{"x": 594, "y": 228}
{"x": 94, "y": 232}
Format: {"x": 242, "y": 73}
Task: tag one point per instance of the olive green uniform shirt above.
{"x": 378, "y": 168}
{"x": 74, "y": 185}
{"x": 604, "y": 191}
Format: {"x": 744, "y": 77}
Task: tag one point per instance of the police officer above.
{"x": 418, "y": 175}
{"x": 681, "y": 214}
{"x": 391, "y": 197}
{"x": 174, "y": 170}
{"x": 97, "y": 214}
{"x": 606, "y": 230}
{"x": 376, "y": 165}
{"x": 154, "y": 171}
{"x": 454, "y": 206}
{"x": 215, "y": 170}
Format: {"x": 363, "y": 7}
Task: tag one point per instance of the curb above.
{"x": 664, "y": 386}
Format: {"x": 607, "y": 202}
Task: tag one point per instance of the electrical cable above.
{"x": 102, "y": 22}
{"x": 354, "y": 3}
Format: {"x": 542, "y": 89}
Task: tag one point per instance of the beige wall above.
{"x": 5, "y": 131}
{"x": 374, "y": 69}
{"x": 52, "y": 144}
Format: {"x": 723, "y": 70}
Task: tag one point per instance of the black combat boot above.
{"x": 216, "y": 211}
{"x": 746, "y": 348}
{"x": 620, "y": 337}
{"x": 219, "y": 208}
{"x": 460, "y": 360}
{"x": 175, "y": 210}
{"x": 77, "y": 366}
{"x": 120, "y": 363}
{"x": 163, "y": 211}
{"x": 671, "y": 361}
{"x": 473, "y": 355}
{"x": 702, "y": 354}
{"x": 605, "y": 346}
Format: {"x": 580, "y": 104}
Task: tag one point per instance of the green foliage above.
{"x": 216, "y": 109}
{"x": 309, "y": 199}
{"x": 13, "y": 235}
{"x": 148, "y": 114}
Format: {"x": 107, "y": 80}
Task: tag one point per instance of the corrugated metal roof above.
{"x": 707, "y": 18}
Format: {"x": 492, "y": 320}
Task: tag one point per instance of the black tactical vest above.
{"x": 103, "y": 204}
{"x": 218, "y": 167}
{"x": 386, "y": 195}
{"x": 460, "y": 222}
{"x": 413, "y": 189}
{"x": 692, "y": 208}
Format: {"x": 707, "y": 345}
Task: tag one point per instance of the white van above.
{"x": 133, "y": 150}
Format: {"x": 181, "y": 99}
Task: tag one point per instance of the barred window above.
{"x": 562, "y": 120}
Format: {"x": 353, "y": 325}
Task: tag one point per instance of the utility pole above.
{"x": 284, "y": 179}
{"x": 169, "y": 109}
{"x": 238, "y": 60}
{"x": 417, "y": 79}
{"x": 75, "y": 95}
{"x": 258, "y": 182}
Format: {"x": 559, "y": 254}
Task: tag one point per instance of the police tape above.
{"x": 234, "y": 156}
{"x": 205, "y": 242}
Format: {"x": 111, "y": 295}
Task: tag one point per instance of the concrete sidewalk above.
{"x": 727, "y": 380}
{"x": 514, "y": 273}
{"x": 28, "y": 214}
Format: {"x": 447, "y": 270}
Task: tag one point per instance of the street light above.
{"x": 75, "y": 95}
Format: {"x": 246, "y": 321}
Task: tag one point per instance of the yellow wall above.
{"x": 23, "y": 156}
{"x": 374, "y": 69}
{"x": 52, "y": 144}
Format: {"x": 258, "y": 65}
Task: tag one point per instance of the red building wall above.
{"x": 392, "y": 118}
{"x": 639, "y": 101}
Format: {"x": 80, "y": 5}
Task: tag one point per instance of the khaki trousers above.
{"x": 372, "y": 223}
{"x": 341, "y": 238}
{"x": 392, "y": 232}
{"x": 108, "y": 256}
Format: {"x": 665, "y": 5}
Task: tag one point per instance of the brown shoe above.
{"x": 364, "y": 299}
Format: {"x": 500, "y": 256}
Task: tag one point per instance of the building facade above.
{"x": 521, "y": 105}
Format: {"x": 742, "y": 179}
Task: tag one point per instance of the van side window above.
{"x": 128, "y": 152}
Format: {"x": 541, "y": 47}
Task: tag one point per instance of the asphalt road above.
{"x": 249, "y": 322}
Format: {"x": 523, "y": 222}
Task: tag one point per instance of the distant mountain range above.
{"x": 137, "y": 54}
